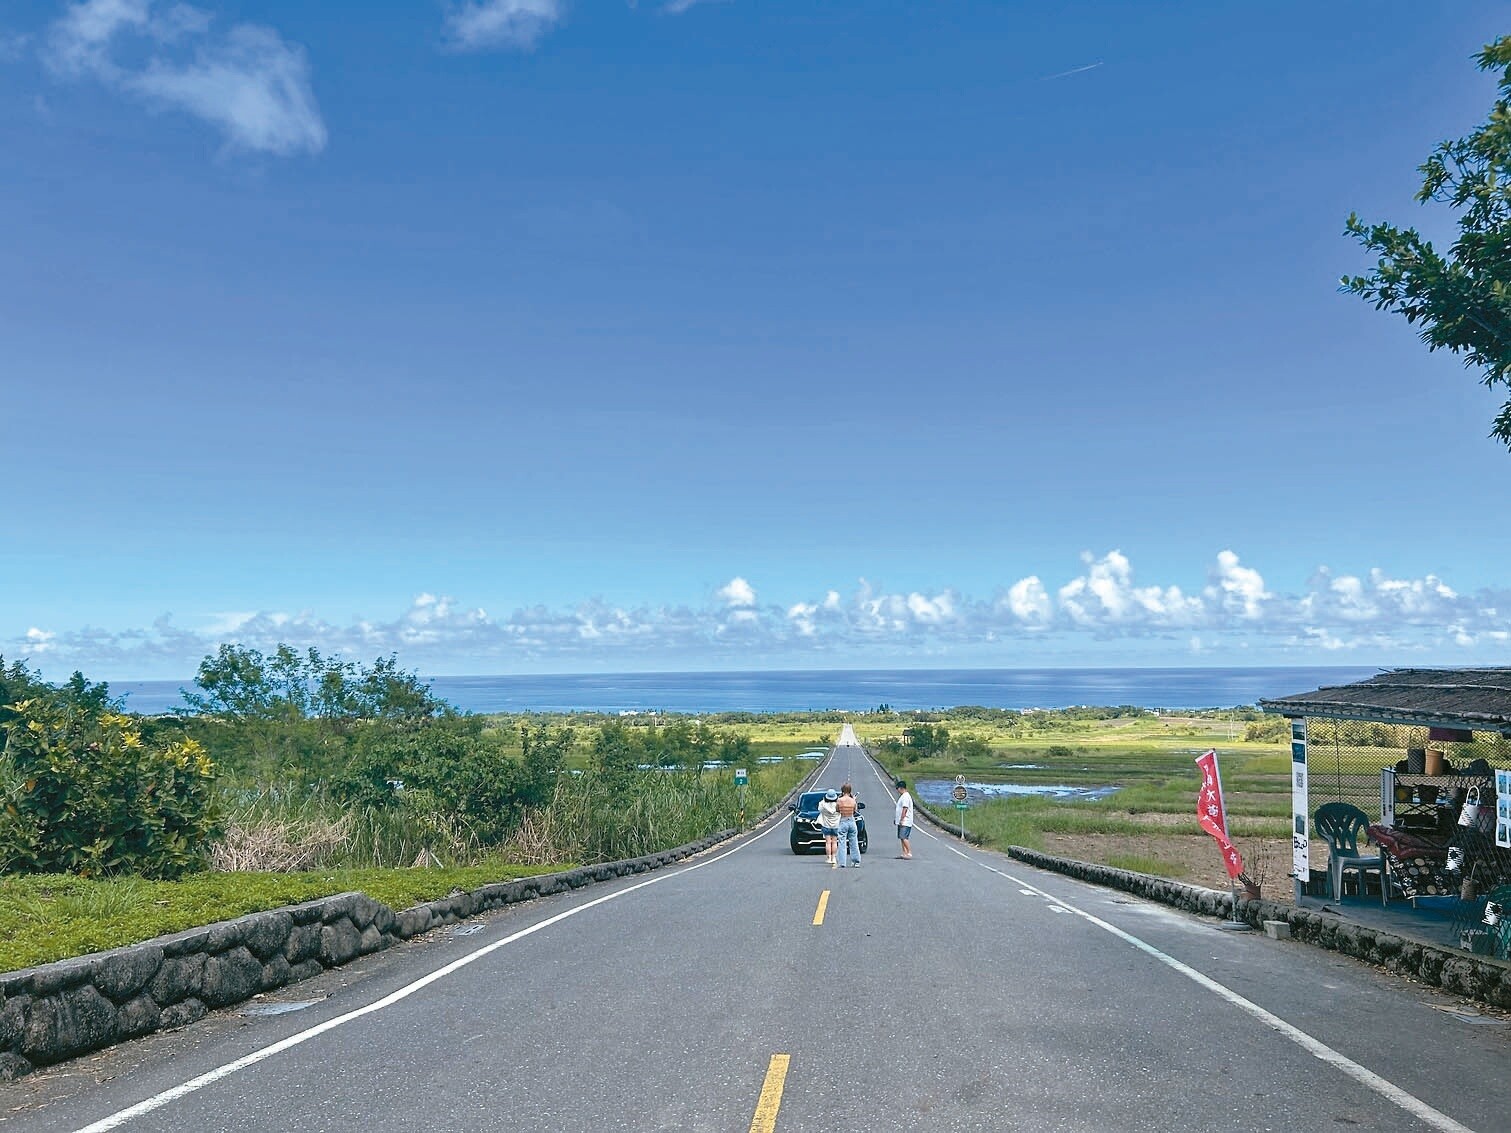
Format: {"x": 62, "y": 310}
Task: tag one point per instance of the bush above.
{"x": 1268, "y": 729}
{"x": 84, "y": 794}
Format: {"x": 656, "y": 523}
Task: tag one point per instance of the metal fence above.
{"x": 1436, "y": 815}
{"x": 1345, "y": 759}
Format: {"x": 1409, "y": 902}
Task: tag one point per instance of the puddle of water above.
{"x": 282, "y": 1008}
{"x": 938, "y": 791}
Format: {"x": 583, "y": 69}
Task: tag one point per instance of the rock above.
{"x": 267, "y": 933}
{"x": 67, "y": 1024}
{"x": 275, "y": 973}
{"x": 339, "y": 942}
{"x": 179, "y": 978}
{"x": 124, "y": 972}
{"x": 303, "y": 943}
{"x": 231, "y": 977}
{"x": 182, "y": 1014}
{"x": 141, "y": 1016}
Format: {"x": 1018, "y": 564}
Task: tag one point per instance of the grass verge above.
{"x": 46, "y": 917}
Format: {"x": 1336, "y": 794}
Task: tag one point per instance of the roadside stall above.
{"x": 1401, "y": 793}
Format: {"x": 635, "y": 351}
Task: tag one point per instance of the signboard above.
{"x": 741, "y": 777}
{"x": 1301, "y": 864}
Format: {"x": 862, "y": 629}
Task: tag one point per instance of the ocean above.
{"x": 852, "y": 690}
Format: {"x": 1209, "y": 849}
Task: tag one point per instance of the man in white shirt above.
{"x": 904, "y": 816}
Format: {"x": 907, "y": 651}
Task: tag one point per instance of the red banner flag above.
{"x": 1211, "y": 813}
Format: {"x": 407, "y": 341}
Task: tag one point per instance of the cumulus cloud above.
{"x": 1028, "y": 602}
{"x": 1104, "y": 598}
{"x": 737, "y": 593}
{"x": 247, "y": 82}
{"x": 1235, "y": 588}
{"x": 1365, "y": 618}
{"x": 476, "y": 25}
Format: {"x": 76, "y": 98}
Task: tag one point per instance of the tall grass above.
{"x": 591, "y": 820}
{"x": 586, "y": 820}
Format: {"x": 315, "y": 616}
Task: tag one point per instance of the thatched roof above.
{"x": 1478, "y": 699}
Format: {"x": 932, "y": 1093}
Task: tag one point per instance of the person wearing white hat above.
{"x": 828, "y": 819}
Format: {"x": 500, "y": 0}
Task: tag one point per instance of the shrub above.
{"x": 1268, "y": 729}
{"x": 84, "y": 794}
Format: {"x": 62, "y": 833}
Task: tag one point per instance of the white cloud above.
{"x": 476, "y": 25}
{"x": 1366, "y": 618}
{"x": 1236, "y": 589}
{"x": 1105, "y": 598}
{"x": 1028, "y": 602}
{"x": 249, "y": 83}
{"x": 677, "y": 7}
{"x": 737, "y": 593}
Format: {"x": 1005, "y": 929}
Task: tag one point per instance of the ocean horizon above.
{"x": 844, "y": 690}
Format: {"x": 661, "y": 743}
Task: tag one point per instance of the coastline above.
{"x": 845, "y": 690}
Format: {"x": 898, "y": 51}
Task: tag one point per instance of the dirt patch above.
{"x": 1188, "y": 858}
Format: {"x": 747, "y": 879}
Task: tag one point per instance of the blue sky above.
{"x": 528, "y": 335}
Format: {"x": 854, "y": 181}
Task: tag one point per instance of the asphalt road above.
{"x": 750, "y": 989}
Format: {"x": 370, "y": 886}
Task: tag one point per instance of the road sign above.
{"x": 959, "y": 794}
{"x": 741, "y": 777}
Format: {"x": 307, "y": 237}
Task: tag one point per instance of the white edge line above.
{"x": 157, "y": 1101}
{"x": 1313, "y": 1046}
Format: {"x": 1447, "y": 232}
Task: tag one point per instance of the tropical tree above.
{"x": 1461, "y": 300}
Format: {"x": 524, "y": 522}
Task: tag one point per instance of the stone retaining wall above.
{"x": 1481, "y": 978}
{"x": 59, "y": 1011}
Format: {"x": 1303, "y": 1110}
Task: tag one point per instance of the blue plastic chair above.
{"x": 1341, "y": 824}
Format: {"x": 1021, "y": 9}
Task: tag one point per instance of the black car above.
{"x": 807, "y": 835}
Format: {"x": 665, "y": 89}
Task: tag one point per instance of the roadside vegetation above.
{"x": 294, "y": 776}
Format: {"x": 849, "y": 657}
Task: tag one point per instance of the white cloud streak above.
{"x": 1369, "y": 618}
{"x": 477, "y": 25}
{"x": 248, "y": 82}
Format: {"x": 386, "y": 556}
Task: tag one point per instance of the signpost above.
{"x": 959, "y": 794}
{"x": 742, "y": 777}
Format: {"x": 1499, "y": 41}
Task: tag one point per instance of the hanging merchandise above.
{"x": 1503, "y": 808}
{"x": 1477, "y": 815}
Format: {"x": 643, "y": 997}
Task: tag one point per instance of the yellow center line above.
{"x": 823, "y": 903}
{"x": 770, "y": 1101}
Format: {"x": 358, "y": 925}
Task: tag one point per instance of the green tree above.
{"x": 292, "y": 717}
{"x": 543, "y": 754}
{"x": 616, "y": 756}
{"x": 1462, "y": 301}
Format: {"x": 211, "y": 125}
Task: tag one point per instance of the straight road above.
{"x": 750, "y": 989}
